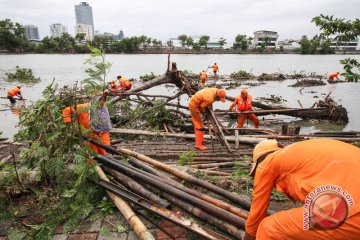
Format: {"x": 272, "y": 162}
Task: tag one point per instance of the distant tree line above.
{"x": 12, "y": 39}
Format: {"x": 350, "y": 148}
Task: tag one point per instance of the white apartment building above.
{"x": 262, "y": 35}
{"x": 345, "y": 46}
{"x": 86, "y": 30}
{"x": 57, "y": 29}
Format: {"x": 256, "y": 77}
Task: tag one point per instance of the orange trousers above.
{"x": 288, "y": 225}
{"x": 103, "y": 138}
{"x": 253, "y": 118}
{"x": 196, "y": 116}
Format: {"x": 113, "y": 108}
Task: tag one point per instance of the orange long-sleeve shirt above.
{"x": 333, "y": 75}
{"x": 302, "y": 167}
{"x": 83, "y": 116}
{"x": 203, "y": 98}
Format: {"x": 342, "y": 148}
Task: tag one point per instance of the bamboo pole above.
{"x": 139, "y": 228}
{"x": 216, "y": 211}
{"x": 245, "y": 140}
{"x": 136, "y": 187}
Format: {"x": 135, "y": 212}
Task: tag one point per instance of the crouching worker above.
{"x": 197, "y": 105}
{"x": 319, "y": 173}
{"x": 244, "y": 103}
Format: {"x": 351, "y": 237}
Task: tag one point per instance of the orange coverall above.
{"x": 297, "y": 170}
{"x": 125, "y": 84}
{"x": 244, "y": 106}
{"x": 203, "y": 76}
{"x": 13, "y": 92}
{"x": 215, "y": 68}
{"x": 83, "y": 119}
{"x": 114, "y": 87}
{"x": 334, "y": 75}
{"x": 198, "y": 103}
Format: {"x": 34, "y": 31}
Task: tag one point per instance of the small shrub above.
{"x": 186, "y": 158}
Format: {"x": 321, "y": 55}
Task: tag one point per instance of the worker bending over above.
{"x": 197, "y": 105}
{"x": 16, "y": 91}
{"x": 321, "y": 173}
{"x": 125, "y": 83}
{"x": 334, "y": 75}
{"x": 243, "y": 102}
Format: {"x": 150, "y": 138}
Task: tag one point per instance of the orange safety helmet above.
{"x": 266, "y": 146}
{"x": 221, "y": 94}
{"x": 112, "y": 81}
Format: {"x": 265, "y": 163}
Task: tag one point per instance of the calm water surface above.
{"x": 67, "y": 69}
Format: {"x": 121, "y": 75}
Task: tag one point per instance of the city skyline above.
{"x": 162, "y": 20}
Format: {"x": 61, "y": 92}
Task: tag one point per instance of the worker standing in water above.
{"x": 197, "y": 105}
{"x": 16, "y": 91}
{"x": 203, "y": 78}
{"x": 215, "y": 68}
{"x": 243, "y": 102}
{"x": 319, "y": 173}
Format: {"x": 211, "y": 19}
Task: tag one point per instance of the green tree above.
{"x": 157, "y": 43}
{"x": 305, "y": 45}
{"x": 103, "y": 42}
{"x": 190, "y": 42}
{"x": 345, "y": 30}
{"x": 12, "y": 36}
{"x": 241, "y": 41}
{"x": 204, "y": 39}
{"x": 183, "y": 39}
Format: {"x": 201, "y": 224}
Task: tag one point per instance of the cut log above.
{"x": 333, "y": 112}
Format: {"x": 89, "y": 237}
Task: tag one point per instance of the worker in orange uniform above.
{"x": 125, "y": 83}
{"x": 321, "y": 173}
{"x": 203, "y": 78}
{"x": 334, "y": 75}
{"x": 215, "y": 68}
{"x": 244, "y": 103}
{"x": 197, "y": 105}
{"x": 16, "y": 91}
{"x": 100, "y": 123}
{"x": 114, "y": 86}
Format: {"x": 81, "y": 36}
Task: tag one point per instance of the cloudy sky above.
{"x": 163, "y": 19}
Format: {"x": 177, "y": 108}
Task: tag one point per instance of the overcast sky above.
{"x": 163, "y": 19}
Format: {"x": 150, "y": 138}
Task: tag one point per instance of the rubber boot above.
{"x": 199, "y": 135}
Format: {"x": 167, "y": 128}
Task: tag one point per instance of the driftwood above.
{"x": 308, "y": 83}
{"x": 266, "y": 112}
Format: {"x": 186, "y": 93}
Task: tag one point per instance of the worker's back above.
{"x": 305, "y": 166}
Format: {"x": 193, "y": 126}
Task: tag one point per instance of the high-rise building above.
{"x": 57, "y": 29}
{"x": 31, "y": 32}
{"x": 84, "y": 15}
{"x": 86, "y": 30}
{"x": 119, "y": 36}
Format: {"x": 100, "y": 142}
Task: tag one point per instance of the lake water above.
{"x": 67, "y": 69}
